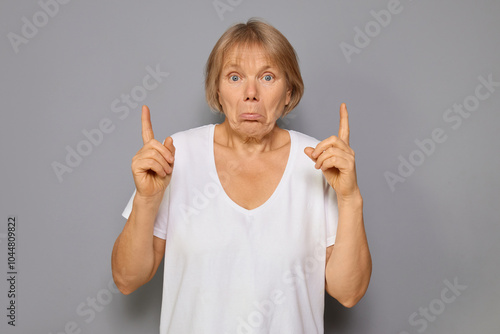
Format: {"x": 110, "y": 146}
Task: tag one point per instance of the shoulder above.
{"x": 192, "y": 144}
{"x": 303, "y": 139}
{"x": 312, "y": 179}
{"x": 300, "y": 142}
{"x": 199, "y": 131}
{"x": 189, "y": 136}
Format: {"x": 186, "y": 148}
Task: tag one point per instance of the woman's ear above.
{"x": 288, "y": 96}
{"x": 220, "y": 103}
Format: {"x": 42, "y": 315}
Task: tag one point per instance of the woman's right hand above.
{"x": 153, "y": 164}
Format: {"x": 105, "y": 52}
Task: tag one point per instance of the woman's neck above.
{"x": 231, "y": 138}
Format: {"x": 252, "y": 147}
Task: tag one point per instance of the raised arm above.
{"x": 137, "y": 253}
{"x": 348, "y": 262}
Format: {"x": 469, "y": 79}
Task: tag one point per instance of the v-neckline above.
{"x": 213, "y": 169}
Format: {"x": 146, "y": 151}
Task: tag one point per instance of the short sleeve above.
{"x": 331, "y": 213}
{"x": 128, "y": 209}
{"x": 160, "y": 228}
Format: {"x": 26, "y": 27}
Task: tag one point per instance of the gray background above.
{"x": 440, "y": 224}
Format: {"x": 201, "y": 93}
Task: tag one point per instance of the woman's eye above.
{"x": 268, "y": 77}
{"x": 234, "y": 78}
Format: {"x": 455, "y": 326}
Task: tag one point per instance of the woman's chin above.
{"x": 253, "y": 128}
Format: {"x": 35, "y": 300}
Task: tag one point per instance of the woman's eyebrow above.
{"x": 236, "y": 66}
{"x": 230, "y": 65}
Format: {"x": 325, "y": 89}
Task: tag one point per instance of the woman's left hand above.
{"x": 335, "y": 158}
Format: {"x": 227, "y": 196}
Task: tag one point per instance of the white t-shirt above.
{"x": 229, "y": 270}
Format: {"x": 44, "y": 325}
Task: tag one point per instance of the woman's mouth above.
{"x": 250, "y": 116}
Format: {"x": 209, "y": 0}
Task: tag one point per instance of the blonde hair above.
{"x": 254, "y": 33}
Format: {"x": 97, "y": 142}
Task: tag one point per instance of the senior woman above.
{"x": 254, "y": 221}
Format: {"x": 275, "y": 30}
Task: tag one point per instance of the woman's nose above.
{"x": 251, "y": 91}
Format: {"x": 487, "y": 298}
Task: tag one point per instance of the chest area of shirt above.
{"x": 250, "y": 181}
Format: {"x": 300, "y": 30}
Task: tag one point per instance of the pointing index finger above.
{"x": 147, "y": 127}
{"x": 344, "y": 124}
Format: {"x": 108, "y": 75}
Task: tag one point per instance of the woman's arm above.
{"x": 348, "y": 262}
{"x": 136, "y": 252}
{"x": 348, "y": 265}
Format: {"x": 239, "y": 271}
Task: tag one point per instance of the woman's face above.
{"x": 252, "y": 91}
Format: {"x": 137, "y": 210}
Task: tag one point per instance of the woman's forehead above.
{"x": 240, "y": 53}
